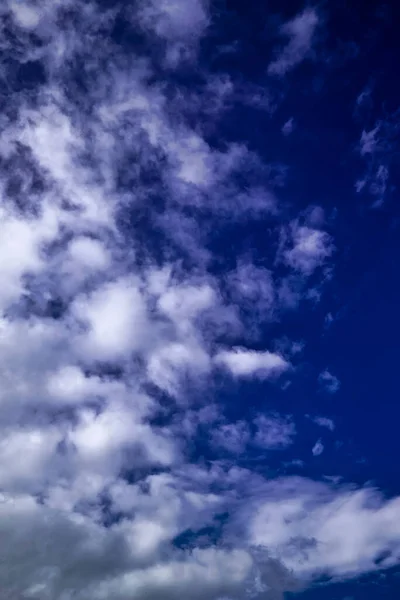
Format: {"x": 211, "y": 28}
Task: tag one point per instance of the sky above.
{"x": 199, "y": 292}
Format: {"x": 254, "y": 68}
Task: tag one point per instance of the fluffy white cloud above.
{"x": 318, "y": 530}
{"x": 248, "y": 363}
{"x": 116, "y": 321}
{"x": 308, "y": 248}
{"x": 378, "y": 147}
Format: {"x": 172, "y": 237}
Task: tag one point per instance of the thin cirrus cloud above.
{"x": 127, "y": 334}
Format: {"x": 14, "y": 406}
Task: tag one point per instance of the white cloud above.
{"x": 308, "y": 248}
{"x": 181, "y": 24}
{"x": 174, "y": 19}
{"x": 329, "y": 382}
{"x": 21, "y": 242}
{"x": 116, "y": 319}
{"x": 318, "y": 448}
{"x": 321, "y": 531}
{"x": 247, "y": 363}
{"x": 324, "y": 422}
{"x": 300, "y": 31}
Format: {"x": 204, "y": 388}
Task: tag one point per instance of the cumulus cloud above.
{"x": 300, "y": 32}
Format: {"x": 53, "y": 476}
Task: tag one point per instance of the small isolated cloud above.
{"x": 250, "y": 363}
{"x": 288, "y": 127}
{"x": 300, "y": 32}
{"x": 329, "y": 382}
{"x": 306, "y": 248}
{"x": 369, "y": 141}
{"x": 324, "y": 422}
{"x": 318, "y": 448}
{"x": 273, "y": 432}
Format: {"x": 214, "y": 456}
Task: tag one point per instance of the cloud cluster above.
{"x": 120, "y": 323}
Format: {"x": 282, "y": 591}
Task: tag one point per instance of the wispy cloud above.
{"x": 329, "y": 382}
{"x": 324, "y": 422}
{"x": 378, "y": 147}
{"x": 274, "y": 432}
{"x": 300, "y": 32}
{"x": 288, "y": 126}
{"x": 318, "y": 448}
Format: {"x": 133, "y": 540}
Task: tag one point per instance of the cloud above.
{"x": 179, "y": 24}
{"x": 128, "y": 313}
{"x": 273, "y": 432}
{"x": 340, "y": 533}
{"x": 233, "y": 437}
{"x": 318, "y": 448}
{"x": 300, "y": 32}
{"x": 247, "y": 363}
{"x": 288, "y": 127}
{"x": 378, "y": 148}
{"x": 306, "y": 248}
{"x": 369, "y": 141}
{"x": 329, "y": 382}
{"x": 324, "y": 422}
{"x": 172, "y": 19}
